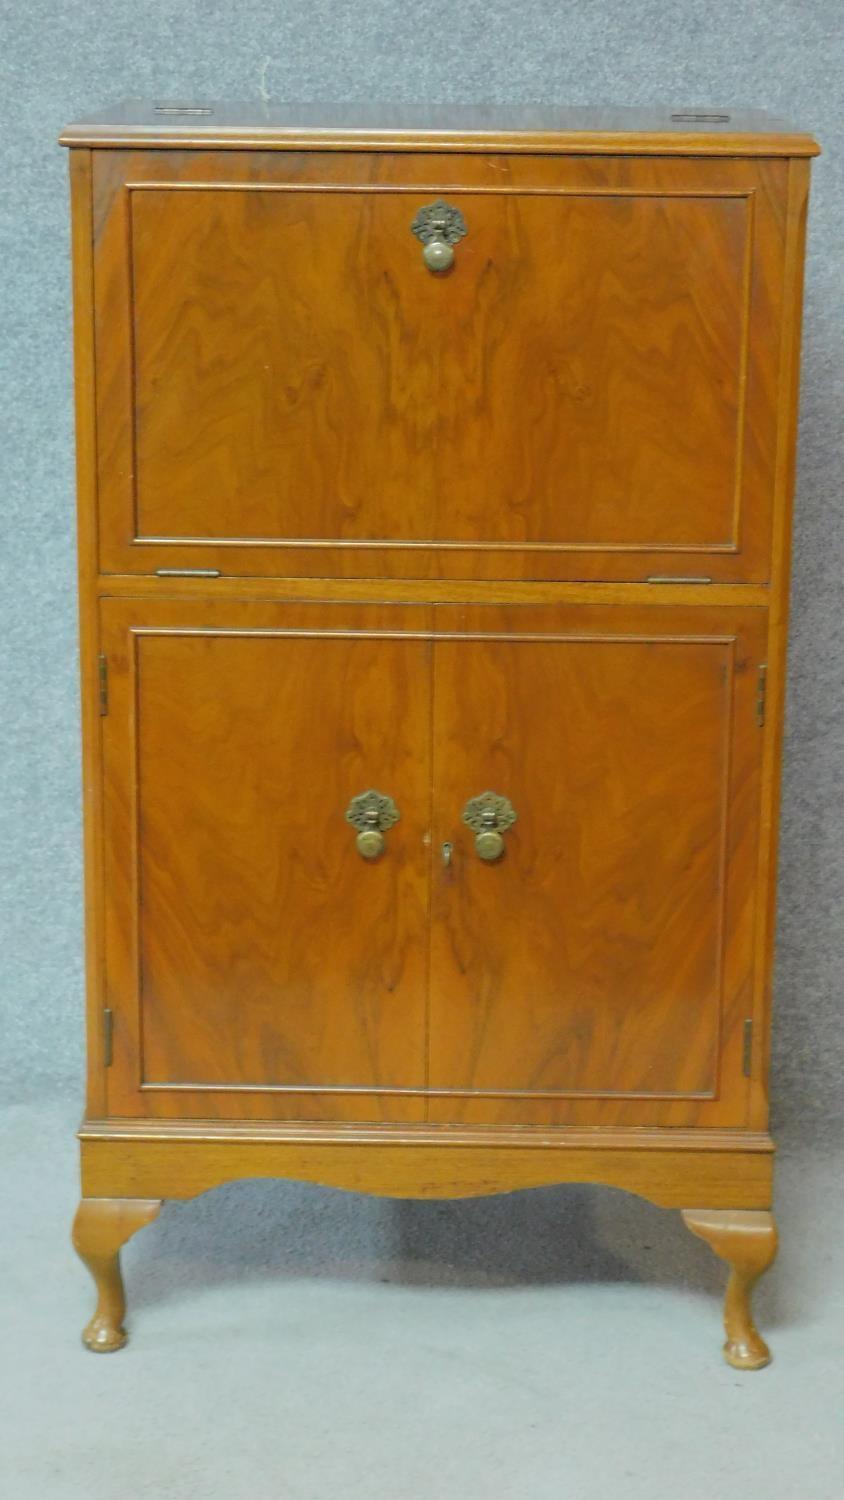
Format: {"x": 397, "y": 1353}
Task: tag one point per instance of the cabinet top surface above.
{"x": 654, "y": 130}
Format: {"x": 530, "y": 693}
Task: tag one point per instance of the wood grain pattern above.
{"x": 587, "y": 394}
{"x": 433, "y": 505}
{"x": 601, "y": 969}
{"x": 249, "y": 945}
{"x": 535, "y": 395}
{"x": 238, "y": 734}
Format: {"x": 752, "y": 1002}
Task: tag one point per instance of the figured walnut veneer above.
{"x": 522, "y": 527}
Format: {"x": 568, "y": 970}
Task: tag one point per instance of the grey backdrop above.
{"x": 62, "y": 60}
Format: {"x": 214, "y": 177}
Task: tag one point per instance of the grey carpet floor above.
{"x": 295, "y": 1343}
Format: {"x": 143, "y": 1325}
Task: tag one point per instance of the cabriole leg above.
{"x": 101, "y": 1226}
{"x": 747, "y": 1240}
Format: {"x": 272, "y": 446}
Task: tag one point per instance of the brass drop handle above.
{"x": 489, "y": 816}
{"x": 371, "y": 813}
{"x": 439, "y": 226}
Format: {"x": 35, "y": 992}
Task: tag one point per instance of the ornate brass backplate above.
{"x": 489, "y": 816}
{"x": 371, "y": 813}
{"x": 439, "y": 226}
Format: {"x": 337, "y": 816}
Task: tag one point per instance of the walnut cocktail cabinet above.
{"x": 434, "y": 502}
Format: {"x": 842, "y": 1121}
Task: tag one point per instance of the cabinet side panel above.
{"x": 86, "y": 487}
{"x": 789, "y": 390}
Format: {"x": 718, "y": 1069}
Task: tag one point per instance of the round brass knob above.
{"x": 370, "y": 843}
{"x": 438, "y": 255}
{"x": 489, "y": 844}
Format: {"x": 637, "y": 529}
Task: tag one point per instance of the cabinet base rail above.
{"x": 129, "y": 1167}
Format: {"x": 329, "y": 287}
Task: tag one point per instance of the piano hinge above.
{"x": 187, "y": 572}
{"x": 674, "y": 578}
{"x": 102, "y": 683}
{"x": 108, "y": 1037}
{"x": 747, "y": 1049}
{"x": 761, "y": 693}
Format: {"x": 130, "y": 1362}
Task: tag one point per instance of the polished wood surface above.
{"x": 119, "y": 1164}
{"x": 81, "y": 203}
{"x": 747, "y": 1241}
{"x": 433, "y": 591}
{"x": 101, "y": 1227}
{"x": 460, "y": 530}
{"x": 250, "y": 947}
{"x": 601, "y": 971}
{"x": 521, "y": 400}
{"x": 237, "y": 734}
{"x": 180, "y": 1160}
{"x": 378, "y": 126}
{"x": 734, "y": 1143}
{"x": 797, "y": 210}
{"x": 284, "y": 387}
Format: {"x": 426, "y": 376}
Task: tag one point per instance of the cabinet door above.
{"x": 284, "y": 387}
{"x": 257, "y": 965}
{"x": 599, "y": 972}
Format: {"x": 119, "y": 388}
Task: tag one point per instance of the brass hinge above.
{"x": 669, "y": 578}
{"x": 187, "y": 572}
{"x": 108, "y": 1037}
{"x": 747, "y": 1049}
{"x": 761, "y": 694}
{"x": 102, "y": 681}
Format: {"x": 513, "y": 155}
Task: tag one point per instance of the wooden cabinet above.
{"x": 434, "y": 495}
